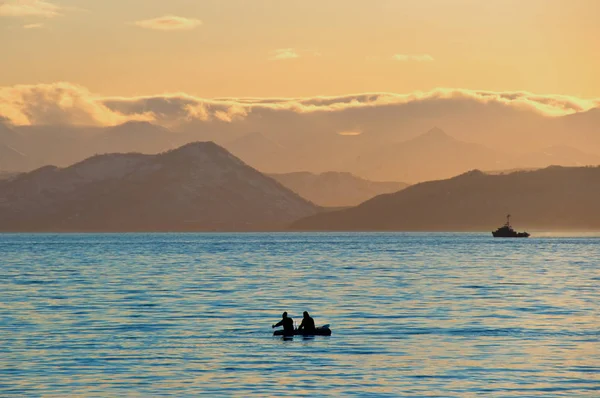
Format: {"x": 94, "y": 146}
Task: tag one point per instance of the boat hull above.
{"x": 515, "y": 235}
{"x": 507, "y": 231}
{"x": 317, "y": 332}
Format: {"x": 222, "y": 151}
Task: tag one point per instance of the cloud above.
{"x": 500, "y": 119}
{"x": 29, "y": 8}
{"x": 65, "y": 103}
{"x": 169, "y": 22}
{"x": 57, "y": 103}
{"x": 284, "y": 53}
{"x": 33, "y": 26}
{"x": 413, "y": 57}
{"x": 292, "y": 53}
{"x": 232, "y": 113}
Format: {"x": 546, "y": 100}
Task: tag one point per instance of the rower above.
{"x": 287, "y": 323}
{"x": 308, "y": 324}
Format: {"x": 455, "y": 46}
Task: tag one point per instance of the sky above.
{"x": 293, "y": 48}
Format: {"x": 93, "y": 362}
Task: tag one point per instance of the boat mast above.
{"x": 508, "y": 220}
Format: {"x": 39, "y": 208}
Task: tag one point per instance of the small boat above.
{"x": 320, "y": 331}
{"x": 506, "y": 231}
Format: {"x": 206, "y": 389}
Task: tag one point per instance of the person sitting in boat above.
{"x": 287, "y": 323}
{"x": 308, "y": 324}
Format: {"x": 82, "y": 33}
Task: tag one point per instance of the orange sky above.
{"x": 260, "y": 48}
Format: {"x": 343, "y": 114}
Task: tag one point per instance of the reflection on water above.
{"x": 411, "y": 314}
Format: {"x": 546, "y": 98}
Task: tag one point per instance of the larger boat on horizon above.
{"x": 506, "y": 231}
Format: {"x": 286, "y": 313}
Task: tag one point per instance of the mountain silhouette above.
{"x": 376, "y": 144}
{"x": 554, "y": 198}
{"x": 335, "y": 189}
{"x": 199, "y": 186}
{"x": 142, "y": 137}
{"x": 429, "y": 156}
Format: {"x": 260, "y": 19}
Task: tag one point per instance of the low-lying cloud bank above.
{"x": 65, "y": 103}
{"x": 380, "y": 136}
{"x": 58, "y": 103}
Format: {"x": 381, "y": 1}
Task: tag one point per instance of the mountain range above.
{"x": 374, "y": 155}
{"x": 554, "y": 198}
{"x": 199, "y": 186}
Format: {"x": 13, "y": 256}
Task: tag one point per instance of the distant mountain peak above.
{"x": 201, "y": 152}
{"x": 199, "y": 186}
{"x": 471, "y": 173}
{"x": 434, "y": 136}
{"x": 436, "y": 133}
{"x": 199, "y": 147}
{"x": 436, "y": 130}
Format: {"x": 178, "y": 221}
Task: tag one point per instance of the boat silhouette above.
{"x": 320, "y": 331}
{"x": 506, "y": 231}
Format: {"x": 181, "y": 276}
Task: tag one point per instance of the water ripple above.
{"x": 186, "y": 314}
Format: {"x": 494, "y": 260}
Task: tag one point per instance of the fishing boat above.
{"x": 507, "y": 231}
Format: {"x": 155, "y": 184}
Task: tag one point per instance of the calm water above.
{"x": 411, "y": 314}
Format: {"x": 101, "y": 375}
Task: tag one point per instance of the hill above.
{"x": 199, "y": 186}
{"x": 554, "y": 198}
{"x": 335, "y": 189}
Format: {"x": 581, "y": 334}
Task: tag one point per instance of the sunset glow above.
{"x": 216, "y": 48}
{"x": 299, "y": 198}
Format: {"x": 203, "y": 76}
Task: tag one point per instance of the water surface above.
{"x": 411, "y": 314}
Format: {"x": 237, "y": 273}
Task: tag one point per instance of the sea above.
{"x": 411, "y": 314}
